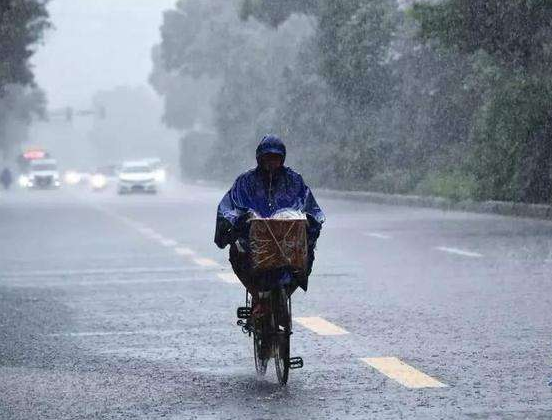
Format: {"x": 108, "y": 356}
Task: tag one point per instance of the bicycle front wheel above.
{"x": 281, "y": 310}
{"x": 259, "y": 343}
{"x": 261, "y": 359}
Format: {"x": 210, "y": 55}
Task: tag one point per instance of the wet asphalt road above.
{"x": 122, "y": 307}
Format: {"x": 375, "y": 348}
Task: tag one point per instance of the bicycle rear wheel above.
{"x": 281, "y": 316}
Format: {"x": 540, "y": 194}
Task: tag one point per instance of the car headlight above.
{"x": 24, "y": 181}
{"x": 71, "y": 178}
{"x": 160, "y": 175}
{"x": 98, "y": 181}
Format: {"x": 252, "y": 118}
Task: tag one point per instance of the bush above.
{"x": 393, "y": 182}
{"x": 455, "y": 186}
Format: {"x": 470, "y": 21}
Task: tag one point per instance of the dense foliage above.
{"x": 22, "y": 25}
{"x": 449, "y": 97}
{"x": 215, "y": 70}
{"x": 509, "y": 44}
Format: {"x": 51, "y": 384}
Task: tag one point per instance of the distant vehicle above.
{"x": 24, "y": 161}
{"x": 102, "y": 177}
{"x": 43, "y": 174}
{"x": 158, "y": 168}
{"x": 136, "y": 177}
{"x": 98, "y": 181}
{"x": 72, "y": 178}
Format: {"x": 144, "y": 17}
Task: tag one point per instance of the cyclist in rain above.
{"x": 263, "y": 191}
{"x": 6, "y": 178}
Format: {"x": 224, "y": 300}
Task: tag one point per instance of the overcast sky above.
{"x": 97, "y": 45}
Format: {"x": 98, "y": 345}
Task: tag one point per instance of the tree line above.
{"x": 22, "y": 26}
{"x": 448, "y": 98}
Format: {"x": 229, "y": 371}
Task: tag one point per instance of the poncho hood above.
{"x": 270, "y": 144}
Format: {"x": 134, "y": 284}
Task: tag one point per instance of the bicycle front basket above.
{"x": 277, "y": 243}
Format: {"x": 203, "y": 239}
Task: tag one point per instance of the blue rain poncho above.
{"x": 255, "y": 192}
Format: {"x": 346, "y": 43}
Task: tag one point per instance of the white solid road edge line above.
{"x": 457, "y": 251}
{"x": 320, "y": 326}
{"x": 115, "y": 333}
{"x": 402, "y": 373}
{"x": 180, "y": 250}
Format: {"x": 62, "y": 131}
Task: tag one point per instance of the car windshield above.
{"x": 136, "y": 169}
{"x": 44, "y": 167}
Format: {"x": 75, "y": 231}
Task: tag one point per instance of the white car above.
{"x": 158, "y": 168}
{"x": 43, "y": 174}
{"x": 136, "y": 177}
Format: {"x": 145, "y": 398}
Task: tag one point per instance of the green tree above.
{"x": 276, "y": 12}
{"x": 22, "y": 25}
{"x": 516, "y": 33}
{"x": 354, "y": 41}
{"x": 509, "y": 44}
{"x": 238, "y": 64}
{"x": 17, "y": 106}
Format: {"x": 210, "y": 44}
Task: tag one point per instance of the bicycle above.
{"x": 277, "y": 246}
{"x": 271, "y": 334}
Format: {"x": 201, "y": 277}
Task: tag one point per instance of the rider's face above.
{"x": 271, "y": 162}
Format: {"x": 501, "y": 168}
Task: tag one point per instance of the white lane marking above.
{"x": 461, "y": 252}
{"x": 168, "y": 242}
{"x": 112, "y": 333}
{"x": 182, "y": 250}
{"x": 104, "y": 283}
{"x": 377, "y": 235}
{"x": 206, "y": 262}
{"x": 146, "y": 231}
{"x": 229, "y": 278}
{"x": 93, "y": 271}
{"x": 320, "y": 326}
{"x": 155, "y": 353}
{"x": 403, "y": 373}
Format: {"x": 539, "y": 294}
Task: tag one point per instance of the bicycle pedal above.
{"x": 244, "y": 312}
{"x": 295, "y": 362}
{"x": 246, "y": 327}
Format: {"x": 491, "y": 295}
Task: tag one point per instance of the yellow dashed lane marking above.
{"x": 320, "y": 326}
{"x": 229, "y": 278}
{"x": 402, "y": 373}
